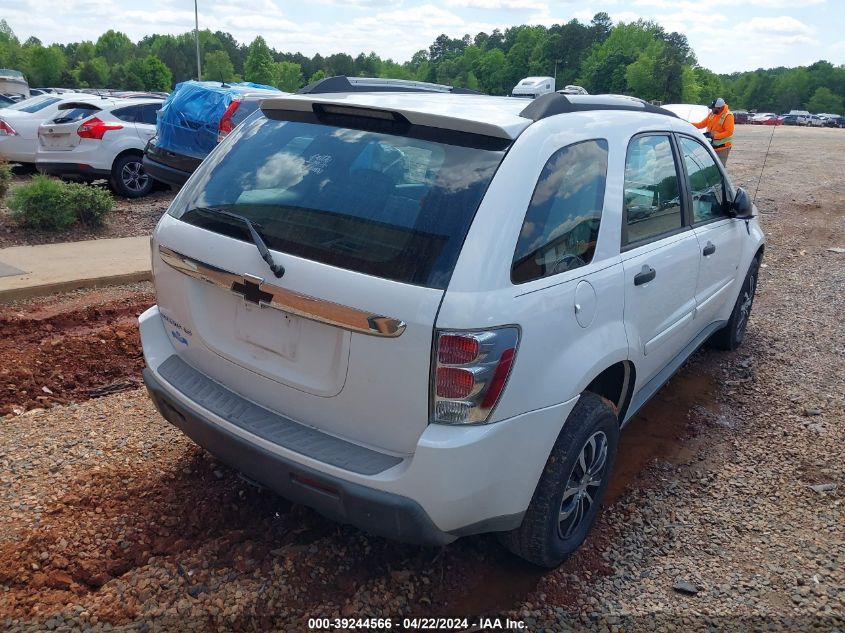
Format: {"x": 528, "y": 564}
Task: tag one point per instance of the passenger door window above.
{"x": 561, "y": 225}
{"x": 652, "y": 196}
{"x": 706, "y": 185}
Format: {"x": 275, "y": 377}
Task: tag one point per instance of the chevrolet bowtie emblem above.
{"x": 250, "y": 290}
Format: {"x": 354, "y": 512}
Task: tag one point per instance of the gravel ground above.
{"x": 726, "y": 511}
{"x": 129, "y": 218}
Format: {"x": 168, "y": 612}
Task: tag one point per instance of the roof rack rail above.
{"x": 556, "y": 103}
{"x": 342, "y": 83}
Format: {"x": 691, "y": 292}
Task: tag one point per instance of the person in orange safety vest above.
{"x": 719, "y": 124}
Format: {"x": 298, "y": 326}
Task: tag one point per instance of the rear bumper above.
{"x": 164, "y": 173}
{"x": 167, "y": 166}
{"x": 458, "y": 481}
{"x": 374, "y": 511}
{"x": 80, "y": 170}
{"x": 17, "y": 149}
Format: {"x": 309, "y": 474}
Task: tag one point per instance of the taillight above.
{"x": 226, "y": 124}
{"x": 6, "y": 129}
{"x": 96, "y": 128}
{"x": 470, "y": 371}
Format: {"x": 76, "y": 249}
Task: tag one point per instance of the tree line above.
{"x": 637, "y": 58}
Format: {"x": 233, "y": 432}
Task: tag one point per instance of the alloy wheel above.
{"x": 745, "y": 305}
{"x": 133, "y": 176}
{"x": 583, "y": 484}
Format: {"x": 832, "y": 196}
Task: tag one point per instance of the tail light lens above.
{"x": 470, "y": 371}
{"x": 96, "y": 128}
{"x": 6, "y": 129}
{"x": 226, "y": 124}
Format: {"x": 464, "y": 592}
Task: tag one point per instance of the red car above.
{"x": 767, "y": 119}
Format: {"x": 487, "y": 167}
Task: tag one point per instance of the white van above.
{"x": 533, "y": 87}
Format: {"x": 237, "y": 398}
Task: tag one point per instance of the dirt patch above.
{"x": 66, "y": 351}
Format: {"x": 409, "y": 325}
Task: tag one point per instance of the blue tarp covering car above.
{"x": 189, "y": 121}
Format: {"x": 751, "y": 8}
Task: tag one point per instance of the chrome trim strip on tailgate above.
{"x": 287, "y": 300}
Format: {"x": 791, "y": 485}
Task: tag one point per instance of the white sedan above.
{"x": 19, "y": 124}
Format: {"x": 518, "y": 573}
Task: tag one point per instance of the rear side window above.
{"x": 562, "y": 222}
{"x": 129, "y": 114}
{"x": 706, "y": 185}
{"x": 385, "y": 204}
{"x": 148, "y": 113}
{"x": 138, "y": 113}
{"x": 72, "y": 115}
{"x": 651, "y": 190}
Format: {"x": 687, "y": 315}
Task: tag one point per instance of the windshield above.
{"x": 388, "y": 205}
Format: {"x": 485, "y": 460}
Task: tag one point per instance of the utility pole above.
{"x": 557, "y": 61}
{"x": 197, "y": 34}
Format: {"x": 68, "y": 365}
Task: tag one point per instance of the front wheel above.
{"x": 732, "y": 335}
{"x": 128, "y": 177}
{"x": 572, "y": 486}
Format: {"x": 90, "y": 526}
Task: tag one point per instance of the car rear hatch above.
{"x": 62, "y": 132}
{"x": 367, "y": 214}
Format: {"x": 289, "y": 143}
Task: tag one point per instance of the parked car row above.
{"x": 83, "y": 136}
{"x": 798, "y": 118}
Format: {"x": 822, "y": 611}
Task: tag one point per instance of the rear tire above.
{"x": 732, "y": 335}
{"x": 128, "y": 177}
{"x": 571, "y": 488}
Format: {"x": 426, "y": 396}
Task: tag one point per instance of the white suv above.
{"x": 429, "y": 315}
{"x": 100, "y": 139}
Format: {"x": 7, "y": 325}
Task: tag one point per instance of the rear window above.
{"x": 72, "y": 115}
{"x": 389, "y": 205}
{"x": 34, "y": 104}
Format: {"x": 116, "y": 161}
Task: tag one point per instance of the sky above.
{"x": 727, "y": 35}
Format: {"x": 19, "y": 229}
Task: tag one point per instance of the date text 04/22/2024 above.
{"x": 466, "y": 625}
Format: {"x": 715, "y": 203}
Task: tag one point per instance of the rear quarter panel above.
{"x": 557, "y": 357}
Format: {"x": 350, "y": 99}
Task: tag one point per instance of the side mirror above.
{"x": 741, "y": 206}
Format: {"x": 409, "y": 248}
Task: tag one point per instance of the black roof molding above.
{"x": 556, "y": 103}
{"x": 341, "y": 83}
{"x": 330, "y": 84}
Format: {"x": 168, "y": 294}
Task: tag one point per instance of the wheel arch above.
{"x": 126, "y": 152}
{"x": 616, "y": 384}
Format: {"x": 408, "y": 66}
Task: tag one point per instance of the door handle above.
{"x": 709, "y": 249}
{"x": 645, "y": 275}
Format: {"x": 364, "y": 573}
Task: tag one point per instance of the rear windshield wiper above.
{"x": 277, "y": 269}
